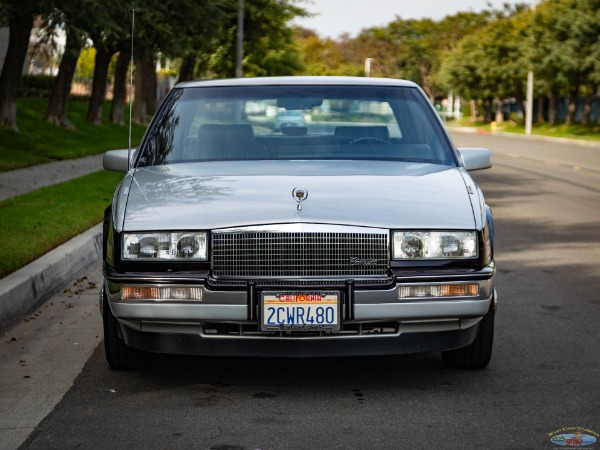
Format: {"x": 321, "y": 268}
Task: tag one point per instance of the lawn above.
{"x": 38, "y": 141}
{"x": 577, "y": 131}
{"x": 37, "y": 222}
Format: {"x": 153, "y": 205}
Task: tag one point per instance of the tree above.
{"x": 85, "y": 64}
{"x": 593, "y": 58}
{"x": 82, "y": 21}
{"x": 268, "y": 39}
{"x": 490, "y": 63}
{"x": 418, "y": 44}
{"x": 451, "y": 30}
{"x": 110, "y": 22}
{"x": 321, "y": 56}
{"x": 566, "y": 32}
{"x": 460, "y": 70}
{"x": 145, "y": 87}
{"x": 205, "y": 45}
{"x": 19, "y": 15}
{"x": 57, "y": 105}
{"x": 375, "y": 43}
{"x": 161, "y": 25}
{"x": 197, "y": 45}
{"x": 104, "y": 53}
{"x": 120, "y": 83}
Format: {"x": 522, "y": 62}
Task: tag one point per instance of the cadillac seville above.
{"x": 354, "y": 231}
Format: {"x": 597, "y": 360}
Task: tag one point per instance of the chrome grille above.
{"x": 259, "y": 254}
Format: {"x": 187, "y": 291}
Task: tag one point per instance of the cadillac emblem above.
{"x": 299, "y": 195}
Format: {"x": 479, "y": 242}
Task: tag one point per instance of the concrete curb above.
{"x": 31, "y": 286}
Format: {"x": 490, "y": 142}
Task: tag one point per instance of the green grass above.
{"x": 38, "y": 141}
{"x": 585, "y": 132}
{"x": 577, "y": 131}
{"x": 37, "y": 222}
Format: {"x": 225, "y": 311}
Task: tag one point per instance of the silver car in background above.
{"x": 359, "y": 233}
{"x": 287, "y": 120}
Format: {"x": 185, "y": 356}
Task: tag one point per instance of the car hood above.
{"x": 382, "y": 194}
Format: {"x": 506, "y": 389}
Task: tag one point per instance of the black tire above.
{"x": 118, "y": 354}
{"x": 478, "y": 354}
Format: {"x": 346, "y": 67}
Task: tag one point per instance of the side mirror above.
{"x": 475, "y": 158}
{"x": 116, "y": 160}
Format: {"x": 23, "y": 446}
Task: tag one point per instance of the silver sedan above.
{"x": 359, "y": 233}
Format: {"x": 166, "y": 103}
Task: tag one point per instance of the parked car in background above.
{"x": 289, "y": 118}
{"x": 362, "y": 235}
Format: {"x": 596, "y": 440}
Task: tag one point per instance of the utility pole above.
{"x": 529, "y": 103}
{"x": 368, "y": 67}
{"x": 239, "y": 48}
{"x": 529, "y": 94}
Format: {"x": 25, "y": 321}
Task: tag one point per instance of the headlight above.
{"x": 178, "y": 246}
{"x": 434, "y": 244}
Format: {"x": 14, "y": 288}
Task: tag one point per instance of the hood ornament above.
{"x": 300, "y": 195}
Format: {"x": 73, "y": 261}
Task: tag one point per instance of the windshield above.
{"x": 295, "y": 122}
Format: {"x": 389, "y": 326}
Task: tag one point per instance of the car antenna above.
{"x": 130, "y": 89}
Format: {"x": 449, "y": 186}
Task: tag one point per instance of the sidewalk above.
{"x": 35, "y": 283}
{"x": 42, "y": 356}
{"x": 21, "y": 181}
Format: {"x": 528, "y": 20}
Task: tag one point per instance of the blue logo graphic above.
{"x": 575, "y": 439}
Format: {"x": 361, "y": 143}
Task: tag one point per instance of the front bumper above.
{"x": 195, "y": 342}
{"x": 374, "y": 320}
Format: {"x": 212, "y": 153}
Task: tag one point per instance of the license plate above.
{"x": 300, "y": 311}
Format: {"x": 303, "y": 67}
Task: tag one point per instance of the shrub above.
{"x": 36, "y": 85}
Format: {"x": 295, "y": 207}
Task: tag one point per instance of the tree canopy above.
{"x": 480, "y": 56}
{"x": 196, "y": 36}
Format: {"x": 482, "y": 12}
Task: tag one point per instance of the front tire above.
{"x": 118, "y": 354}
{"x": 478, "y": 354}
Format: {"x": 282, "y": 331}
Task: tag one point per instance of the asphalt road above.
{"x": 544, "y": 375}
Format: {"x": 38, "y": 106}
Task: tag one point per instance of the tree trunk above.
{"x": 20, "y": 24}
{"x": 540, "y": 110}
{"x": 120, "y": 87}
{"x": 140, "y": 108}
{"x": 96, "y": 104}
{"x": 522, "y": 108}
{"x": 587, "y": 109}
{"x": 552, "y": 108}
{"x": 487, "y": 109}
{"x": 57, "y": 106}
{"x": 572, "y": 108}
{"x": 151, "y": 85}
{"x": 424, "y": 72}
{"x": 186, "y": 71}
{"x": 499, "y": 112}
{"x": 473, "y": 110}
{"x": 145, "y": 89}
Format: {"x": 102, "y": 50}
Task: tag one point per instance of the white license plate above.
{"x": 300, "y": 311}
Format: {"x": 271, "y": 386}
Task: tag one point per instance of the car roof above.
{"x": 299, "y": 81}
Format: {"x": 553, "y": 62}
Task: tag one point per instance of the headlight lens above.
{"x": 420, "y": 244}
{"x": 178, "y": 246}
